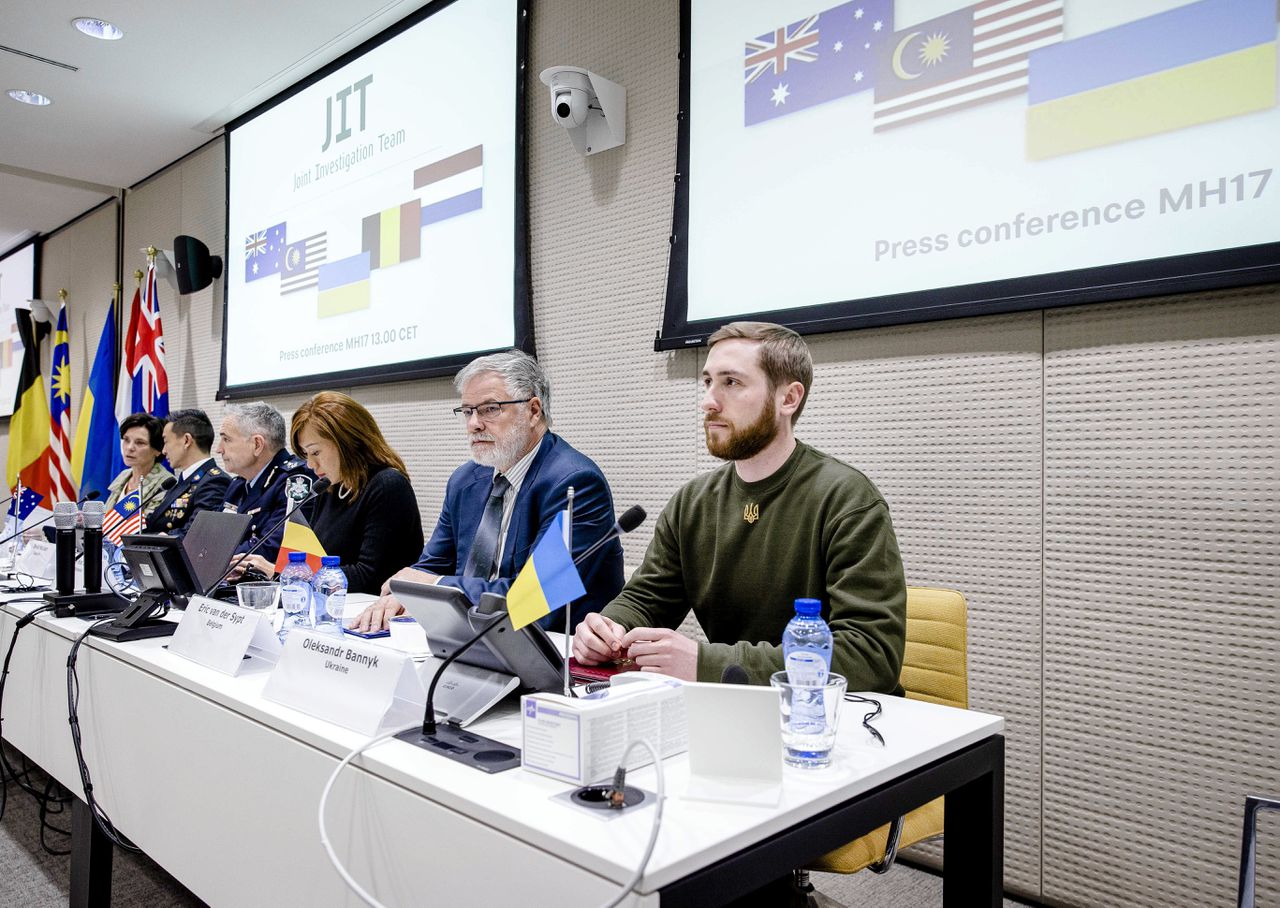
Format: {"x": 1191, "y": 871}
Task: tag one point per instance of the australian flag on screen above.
{"x": 263, "y": 252}
{"x": 825, "y": 56}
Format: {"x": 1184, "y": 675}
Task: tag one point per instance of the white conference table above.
{"x": 220, "y": 787}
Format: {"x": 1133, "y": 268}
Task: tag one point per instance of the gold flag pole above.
{"x": 152, "y": 252}
{"x": 137, "y": 275}
{"x": 115, "y": 292}
{"x": 62, "y": 295}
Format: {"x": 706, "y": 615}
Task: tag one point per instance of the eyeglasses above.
{"x": 487, "y": 411}
{"x": 866, "y": 720}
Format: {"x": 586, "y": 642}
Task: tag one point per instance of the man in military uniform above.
{"x": 269, "y": 481}
{"x": 202, "y": 485}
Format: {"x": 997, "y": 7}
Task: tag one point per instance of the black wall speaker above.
{"x": 196, "y": 268}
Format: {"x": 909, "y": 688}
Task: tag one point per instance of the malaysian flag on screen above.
{"x": 969, "y": 57}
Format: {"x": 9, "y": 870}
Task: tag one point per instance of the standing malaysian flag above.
{"x": 124, "y": 519}
{"x": 969, "y": 57}
{"x": 829, "y": 55}
{"x": 60, "y": 412}
{"x": 144, "y": 384}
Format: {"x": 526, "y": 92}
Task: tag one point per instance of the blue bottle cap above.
{"x": 330, "y": 561}
{"x": 297, "y": 557}
{"x": 809, "y": 608}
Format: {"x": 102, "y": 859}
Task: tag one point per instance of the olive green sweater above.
{"x": 740, "y": 553}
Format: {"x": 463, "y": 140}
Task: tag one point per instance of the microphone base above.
{"x": 83, "y": 605}
{"x": 124, "y": 633}
{"x": 462, "y": 746}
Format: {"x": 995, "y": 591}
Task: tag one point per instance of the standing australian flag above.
{"x": 820, "y": 58}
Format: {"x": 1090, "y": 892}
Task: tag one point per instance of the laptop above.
{"x": 211, "y": 541}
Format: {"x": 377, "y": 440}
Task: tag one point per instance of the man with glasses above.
{"x": 740, "y": 544}
{"x": 497, "y": 507}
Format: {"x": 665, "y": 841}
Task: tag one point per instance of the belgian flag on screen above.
{"x": 29, "y": 450}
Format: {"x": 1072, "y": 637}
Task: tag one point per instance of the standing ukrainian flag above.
{"x": 60, "y": 413}
{"x": 547, "y": 581}
{"x": 97, "y": 430}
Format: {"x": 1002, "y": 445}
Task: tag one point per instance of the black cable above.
{"x": 45, "y": 825}
{"x": 73, "y": 701}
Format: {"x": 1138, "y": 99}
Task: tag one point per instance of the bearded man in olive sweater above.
{"x": 738, "y": 545}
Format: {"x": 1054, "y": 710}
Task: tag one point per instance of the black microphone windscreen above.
{"x": 92, "y": 496}
{"x": 169, "y": 483}
{"x": 631, "y": 518}
{"x": 321, "y": 485}
{"x": 734, "y": 674}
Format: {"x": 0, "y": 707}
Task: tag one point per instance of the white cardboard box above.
{"x": 581, "y": 740}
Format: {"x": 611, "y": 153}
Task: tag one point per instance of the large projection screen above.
{"x": 879, "y": 162}
{"x": 376, "y": 226}
{"x": 17, "y": 289}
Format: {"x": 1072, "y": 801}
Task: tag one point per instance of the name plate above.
{"x": 220, "y": 634}
{"x": 37, "y": 559}
{"x": 344, "y": 680}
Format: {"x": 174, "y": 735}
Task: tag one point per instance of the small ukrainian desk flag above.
{"x": 547, "y": 581}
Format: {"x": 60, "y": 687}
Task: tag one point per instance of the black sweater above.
{"x": 376, "y": 533}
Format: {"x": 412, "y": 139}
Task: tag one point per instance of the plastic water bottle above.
{"x": 295, "y": 593}
{"x": 806, "y": 652}
{"x": 330, "y": 586}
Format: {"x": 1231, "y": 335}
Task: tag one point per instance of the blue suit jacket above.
{"x": 542, "y": 495}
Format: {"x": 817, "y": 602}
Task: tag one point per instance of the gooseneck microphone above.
{"x": 734, "y": 674}
{"x": 318, "y": 488}
{"x": 93, "y": 512}
{"x": 64, "y": 521}
{"x": 631, "y": 518}
{"x": 92, "y": 496}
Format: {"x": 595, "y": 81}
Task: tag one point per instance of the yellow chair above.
{"x": 934, "y": 668}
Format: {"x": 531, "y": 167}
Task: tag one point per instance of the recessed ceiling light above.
{"x": 29, "y": 97}
{"x": 98, "y": 28}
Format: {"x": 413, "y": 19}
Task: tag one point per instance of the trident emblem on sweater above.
{"x": 751, "y": 513}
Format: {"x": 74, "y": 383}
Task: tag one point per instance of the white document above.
{"x": 735, "y": 743}
{"x": 220, "y": 634}
{"x": 347, "y": 681}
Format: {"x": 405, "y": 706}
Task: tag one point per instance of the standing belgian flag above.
{"x": 29, "y": 451}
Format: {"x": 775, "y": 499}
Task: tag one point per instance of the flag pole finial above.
{"x": 62, "y": 294}
{"x": 152, "y": 251}
{"x": 137, "y": 276}
{"x": 115, "y": 291}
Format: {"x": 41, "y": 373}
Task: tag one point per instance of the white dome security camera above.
{"x": 570, "y": 97}
{"x": 591, "y": 109}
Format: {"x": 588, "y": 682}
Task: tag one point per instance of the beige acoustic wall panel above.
{"x": 1161, "y": 566}
{"x": 599, "y": 228}
{"x": 196, "y": 345}
{"x": 945, "y": 418}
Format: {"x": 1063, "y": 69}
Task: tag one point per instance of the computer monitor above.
{"x": 160, "y": 563}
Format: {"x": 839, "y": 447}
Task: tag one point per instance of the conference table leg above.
{"x": 973, "y": 858}
{"x": 91, "y": 854}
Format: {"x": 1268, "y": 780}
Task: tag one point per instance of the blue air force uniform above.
{"x": 204, "y": 490}
{"x": 284, "y": 483}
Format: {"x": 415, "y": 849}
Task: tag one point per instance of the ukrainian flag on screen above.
{"x": 1207, "y": 61}
{"x": 343, "y": 286}
{"x": 547, "y": 581}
